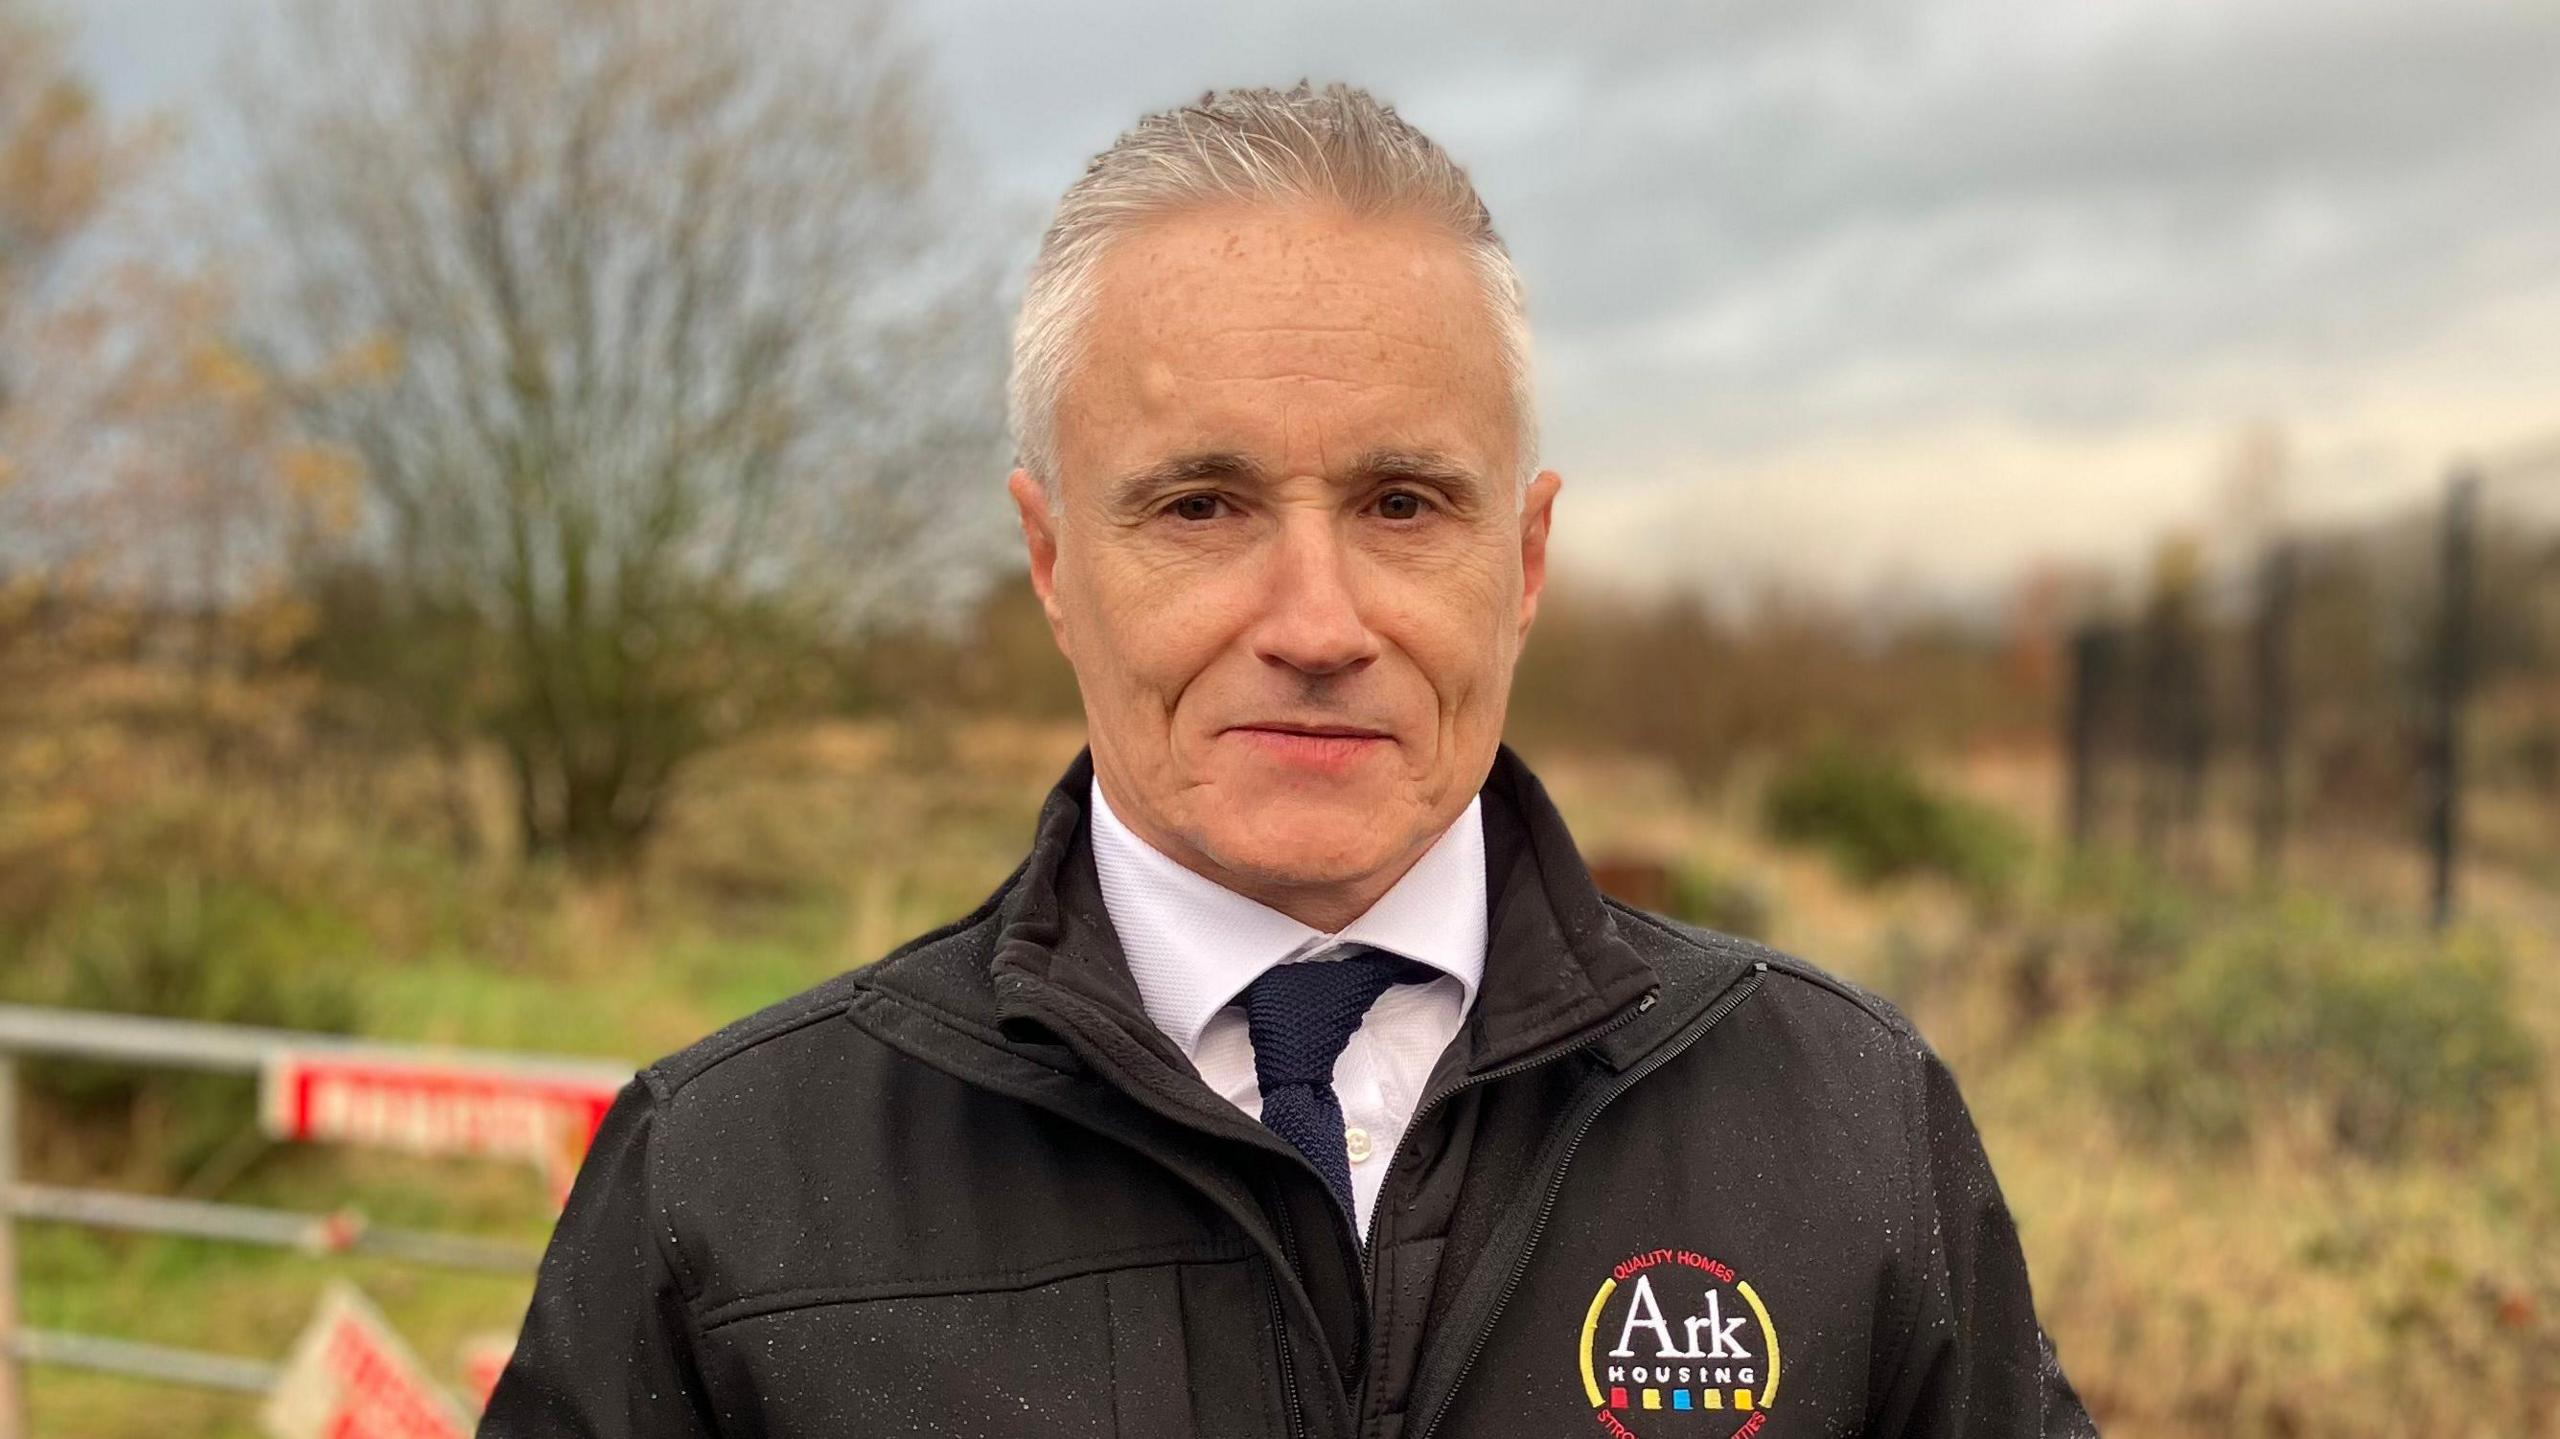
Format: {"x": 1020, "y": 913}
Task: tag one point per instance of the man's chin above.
{"x": 1294, "y": 835}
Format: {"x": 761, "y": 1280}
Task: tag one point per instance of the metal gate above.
{"x": 456, "y": 1101}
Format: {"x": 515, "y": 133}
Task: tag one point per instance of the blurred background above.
{"x": 501, "y": 544}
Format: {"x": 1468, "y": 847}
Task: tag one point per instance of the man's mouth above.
{"x": 1318, "y": 731}
{"x": 1322, "y": 748}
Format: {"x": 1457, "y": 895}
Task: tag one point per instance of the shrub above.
{"x": 1878, "y": 820}
{"x": 1719, "y": 901}
{"x": 2383, "y": 1039}
{"x": 184, "y": 948}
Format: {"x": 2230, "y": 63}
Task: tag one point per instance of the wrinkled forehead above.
{"x": 1298, "y": 335}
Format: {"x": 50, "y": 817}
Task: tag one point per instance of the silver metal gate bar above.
{"x": 189, "y": 1044}
{"x": 30, "y": 1030}
{"x": 144, "y": 1361}
{"x": 342, "y": 1233}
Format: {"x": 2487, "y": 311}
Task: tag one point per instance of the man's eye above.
{"x": 1197, "y": 507}
{"x": 1400, "y": 505}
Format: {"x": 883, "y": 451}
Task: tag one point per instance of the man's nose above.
{"x": 1311, "y": 618}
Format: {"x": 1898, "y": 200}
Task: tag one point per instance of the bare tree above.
{"x": 674, "y": 355}
{"x": 72, "y": 323}
{"x": 60, "y": 165}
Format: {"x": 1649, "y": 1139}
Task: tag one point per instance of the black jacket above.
{"x": 1665, "y": 1183}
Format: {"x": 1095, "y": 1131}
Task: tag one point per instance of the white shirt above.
{"x": 1193, "y": 946}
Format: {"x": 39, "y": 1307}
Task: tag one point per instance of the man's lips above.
{"x": 1316, "y": 731}
{"x": 1320, "y": 749}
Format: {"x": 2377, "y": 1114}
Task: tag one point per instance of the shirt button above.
{"x": 1355, "y": 1141}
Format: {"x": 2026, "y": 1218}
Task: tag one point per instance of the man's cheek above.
{"x": 1453, "y": 641}
{"x": 1163, "y": 679}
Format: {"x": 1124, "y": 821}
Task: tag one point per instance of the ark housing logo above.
{"x": 1676, "y": 1343}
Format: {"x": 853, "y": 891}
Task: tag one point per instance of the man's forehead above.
{"x": 1231, "y": 266}
{"x": 1214, "y": 329}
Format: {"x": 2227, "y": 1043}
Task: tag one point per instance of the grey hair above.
{"x": 1337, "y": 144}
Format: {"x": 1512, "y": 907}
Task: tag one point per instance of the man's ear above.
{"x": 1537, "y": 512}
{"x": 1040, "y": 546}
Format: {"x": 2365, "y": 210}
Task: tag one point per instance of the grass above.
{"x": 2269, "y": 1282}
{"x": 2284, "y": 1289}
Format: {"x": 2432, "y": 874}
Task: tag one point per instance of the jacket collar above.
{"x": 1556, "y": 966}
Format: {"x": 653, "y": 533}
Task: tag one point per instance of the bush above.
{"x": 2383, "y": 1040}
{"x": 1719, "y": 901}
{"x": 1879, "y": 820}
{"x": 184, "y": 948}
{"x": 192, "y": 948}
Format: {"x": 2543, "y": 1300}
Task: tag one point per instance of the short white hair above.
{"x": 1338, "y": 144}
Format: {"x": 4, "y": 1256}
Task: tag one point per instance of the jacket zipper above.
{"x": 1555, "y": 1183}
{"x": 1413, "y": 1126}
{"x": 1369, "y": 1238}
{"x": 1288, "y": 1360}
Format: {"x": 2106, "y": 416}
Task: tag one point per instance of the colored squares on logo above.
{"x": 1701, "y": 1398}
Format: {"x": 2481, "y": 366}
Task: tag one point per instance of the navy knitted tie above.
{"x": 1301, "y": 1015}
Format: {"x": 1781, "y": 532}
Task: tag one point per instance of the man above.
{"x": 1299, "y": 1082}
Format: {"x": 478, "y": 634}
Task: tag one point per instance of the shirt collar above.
{"x": 1193, "y": 944}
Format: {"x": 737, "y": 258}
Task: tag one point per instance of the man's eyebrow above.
{"x": 1425, "y": 466}
{"x": 1180, "y": 470}
{"x": 1429, "y": 467}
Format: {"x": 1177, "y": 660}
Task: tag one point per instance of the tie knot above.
{"x": 1302, "y": 1014}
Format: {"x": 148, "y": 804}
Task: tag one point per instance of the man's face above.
{"x": 1290, "y": 565}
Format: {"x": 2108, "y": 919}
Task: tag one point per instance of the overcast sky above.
{"x": 1860, "y": 292}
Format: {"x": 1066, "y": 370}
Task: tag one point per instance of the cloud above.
{"x": 1867, "y": 247}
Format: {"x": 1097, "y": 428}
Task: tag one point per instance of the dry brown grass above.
{"x": 2280, "y": 1288}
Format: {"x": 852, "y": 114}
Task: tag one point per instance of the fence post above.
{"x": 2452, "y": 680}
{"x": 13, "y": 1391}
{"x": 2093, "y": 681}
{"x": 2169, "y": 713}
{"x": 2272, "y": 659}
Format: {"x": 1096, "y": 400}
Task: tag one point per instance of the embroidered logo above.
{"x": 1674, "y": 1332}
